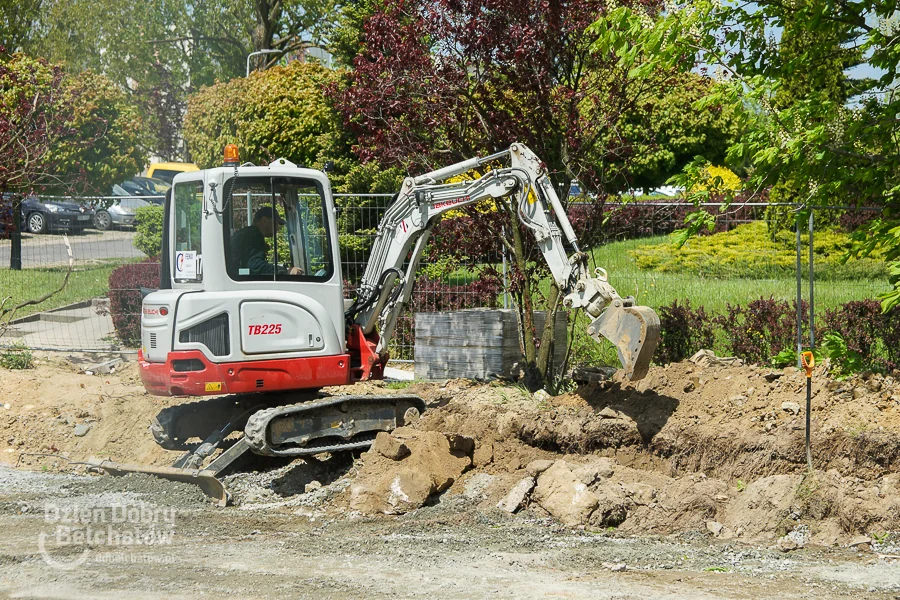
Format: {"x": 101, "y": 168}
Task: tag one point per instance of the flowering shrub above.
{"x": 125, "y": 298}
{"x": 683, "y": 331}
{"x": 874, "y": 335}
{"x": 761, "y": 329}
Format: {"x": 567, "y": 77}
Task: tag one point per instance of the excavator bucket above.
{"x": 634, "y": 331}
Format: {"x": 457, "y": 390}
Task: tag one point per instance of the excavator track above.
{"x": 185, "y": 426}
{"x": 328, "y": 425}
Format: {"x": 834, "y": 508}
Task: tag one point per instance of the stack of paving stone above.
{"x": 476, "y": 343}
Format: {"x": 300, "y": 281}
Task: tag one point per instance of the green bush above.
{"x": 17, "y": 356}
{"x": 149, "y": 224}
{"x": 752, "y": 251}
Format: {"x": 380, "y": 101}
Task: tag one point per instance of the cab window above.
{"x": 188, "y": 257}
{"x": 276, "y": 229}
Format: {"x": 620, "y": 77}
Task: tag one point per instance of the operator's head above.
{"x": 265, "y": 219}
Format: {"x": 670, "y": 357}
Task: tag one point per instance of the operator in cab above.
{"x": 248, "y": 245}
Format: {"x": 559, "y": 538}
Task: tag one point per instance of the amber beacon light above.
{"x": 231, "y": 154}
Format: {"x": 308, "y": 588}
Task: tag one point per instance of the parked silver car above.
{"x": 119, "y": 214}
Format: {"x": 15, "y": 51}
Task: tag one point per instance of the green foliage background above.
{"x": 753, "y": 251}
{"x": 149, "y": 229}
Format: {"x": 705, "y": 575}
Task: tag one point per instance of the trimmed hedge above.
{"x": 125, "y": 299}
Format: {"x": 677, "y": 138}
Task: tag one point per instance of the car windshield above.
{"x": 166, "y": 175}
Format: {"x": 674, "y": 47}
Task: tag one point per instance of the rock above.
{"x": 517, "y": 495}
{"x": 641, "y": 494}
{"x": 561, "y": 494}
{"x": 714, "y": 527}
{"x": 312, "y": 486}
{"x": 385, "y": 485}
{"x": 461, "y": 443}
{"x": 788, "y": 543}
{"x": 859, "y": 392}
{"x": 791, "y": 407}
{"x": 611, "y": 508}
{"x": 750, "y": 391}
{"x": 483, "y": 454}
{"x": 477, "y": 485}
{"x": 708, "y": 358}
{"x": 536, "y": 467}
{"x": 81, "y": 430}
{"x": 860, "y": 540}
{"x": 592, "y": 374}
{"x": 542, "y": 396}
{"x": 770, "y": 377}
{"x": 596, "y": 468}
{"x": 874, "y": 385}
{"x": 615, "y": 567}
{"x": 389, "y": 447}
{"x": 608, "y": 413}
{"x": 739, "y": 399}
{"x": 689, "y": 386}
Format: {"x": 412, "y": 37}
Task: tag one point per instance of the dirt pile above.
{"x": 405, "y": 468}
{"x": 716, "y": 448}
{"x": 55, "y": 409}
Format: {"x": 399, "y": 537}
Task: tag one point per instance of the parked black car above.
{"x": 41, "y": 216}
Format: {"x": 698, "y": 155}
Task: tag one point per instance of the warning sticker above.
{"x": 213, "y": 386}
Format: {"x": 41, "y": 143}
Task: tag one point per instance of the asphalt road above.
{"x": 50, "y": 250}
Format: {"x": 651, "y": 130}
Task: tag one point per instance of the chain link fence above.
{"x": 466, "y": 266}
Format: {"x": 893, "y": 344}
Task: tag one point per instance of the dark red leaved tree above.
{"x": 441, "y": 81}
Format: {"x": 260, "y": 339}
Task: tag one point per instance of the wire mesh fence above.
{"x": 465, "y": 266}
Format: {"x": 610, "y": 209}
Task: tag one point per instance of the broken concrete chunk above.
{"x": 791, "y": 407}
{"x": 517, "y": 495}
{"x": 389, "y": 447}
{"x": 536, "y": 467}
{"x": 81, "y": 430}
{"x": 714, "y": 527}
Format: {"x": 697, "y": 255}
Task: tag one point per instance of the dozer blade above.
{"x": 634, "y": 330}
{"x": 206, "y": 479}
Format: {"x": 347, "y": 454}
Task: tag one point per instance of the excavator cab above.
{"x": 254, "y": 298}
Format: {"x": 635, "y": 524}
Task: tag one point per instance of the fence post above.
{"x": 797, "y": 209}
{"x": 812, "y": 308}
{"x": 15, "y": 250}
{"x": 505, "y": 284}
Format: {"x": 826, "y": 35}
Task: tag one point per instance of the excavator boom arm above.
{"x": 386, "y": 287}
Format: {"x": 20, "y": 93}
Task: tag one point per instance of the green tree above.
{"x": 104, "y": 116}
{"x": 16, "y": 22}
{"x": 834, "y": 139}
{"x": 278, "y": 113}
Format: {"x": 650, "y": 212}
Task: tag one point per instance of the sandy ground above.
{"x": 716, "y": 450}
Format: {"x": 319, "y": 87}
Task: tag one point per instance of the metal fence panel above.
{"x": 616, "y": 233}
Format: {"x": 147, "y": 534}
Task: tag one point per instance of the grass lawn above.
{"x": 86, "y": 281}
{"x": 653, "y": 288}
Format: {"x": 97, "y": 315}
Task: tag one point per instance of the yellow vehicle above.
{"x": 168, "y": 170}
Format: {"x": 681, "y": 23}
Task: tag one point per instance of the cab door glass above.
{"x": 275, "y": 230}
{"x": 187, "y": 250}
